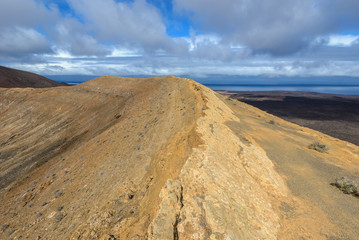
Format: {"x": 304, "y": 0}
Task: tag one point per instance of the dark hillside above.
{"x": 12, "y": 78}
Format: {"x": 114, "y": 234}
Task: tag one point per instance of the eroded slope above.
{"x": 163, "y": 158}
{"x": 98, "y": 150}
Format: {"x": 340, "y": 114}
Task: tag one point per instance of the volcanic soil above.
{"x": 165, "y": 158}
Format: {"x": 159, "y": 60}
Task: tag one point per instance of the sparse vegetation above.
{"x": 4, "y": 227}
{"x": 58, "y": 193}
{"x": 11, "y": 231}
{"x": 347, "y": 185}
{"x": 59, "y": 217}
{"x": 245, "y": 140}
{"x": 317, "y": 146}
{"x": 271, "y": 122}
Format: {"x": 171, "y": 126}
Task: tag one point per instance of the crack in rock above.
{"x": 164, "y": 225}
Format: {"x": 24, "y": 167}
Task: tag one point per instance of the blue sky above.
{"x": 197, "y": 38}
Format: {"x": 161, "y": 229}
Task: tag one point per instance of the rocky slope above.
{"x": 12, "y": 78}
{"x": 164, "y": 158}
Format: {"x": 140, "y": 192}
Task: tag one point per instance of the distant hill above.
{"x": 13, "y": 78}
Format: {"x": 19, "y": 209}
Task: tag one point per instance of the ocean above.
{"x": 338, "y": 89}
{"x": 332, "y": 85}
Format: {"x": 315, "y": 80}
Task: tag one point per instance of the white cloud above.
{"x": 19, "y": 39}
{"x": 70, "y": 35}
{"x": 26, "y": 13}
{"x": 196, "y": 67}
{"x": 342, "y": 40}
{"x": 124, "y": 52}
{"x": 278, "y": 27}
{"x": 137, "y": 24}
{"x": 228, "y": 37}
{"x": 22, "y": 41}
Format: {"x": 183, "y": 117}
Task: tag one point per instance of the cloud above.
{"x": 26, "y": 13}
{"x": 136, "y": 24}
{"x": 210, "y": 47}
{"x": 70, "y": 35}
{"x": 17, "y": 42}
{"x": 228, "y": 37}
{"x": 19, "y": 37}
{"x": 303, "y": 65}
{"x": 278, "y": 27}
{"x": 342, "y": 40}
{"x": 90, "y": 28}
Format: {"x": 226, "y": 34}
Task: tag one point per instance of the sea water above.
{"x": 333, "y": 85}
{"x": 344, "y": 89}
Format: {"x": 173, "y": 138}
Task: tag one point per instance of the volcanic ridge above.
{"x": 165, "y": 158}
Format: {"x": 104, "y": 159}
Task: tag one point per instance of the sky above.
{"x": 195, "y": 38}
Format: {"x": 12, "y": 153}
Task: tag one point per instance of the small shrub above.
{"x": 11, "y": 231}
{"x": 320, "y": 147}
{"x": 59, "y": 217}
{"x": 271, "y": 122}
{"x": 58, "y": 193}
{"x": 347, "y": 185}
{"x": 4, "y": 227}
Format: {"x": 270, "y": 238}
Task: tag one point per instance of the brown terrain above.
{"x": 335, "y": 115}
{"x": 165, "y": 158}
{"x": 13, "y": 78}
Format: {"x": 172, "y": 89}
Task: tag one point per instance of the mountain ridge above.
{"x": 164, "y": 158}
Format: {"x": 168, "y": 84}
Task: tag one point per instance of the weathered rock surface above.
{"x": 164, "y": 158}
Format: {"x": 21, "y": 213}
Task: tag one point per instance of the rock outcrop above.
{"x": 164, "y": 158}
